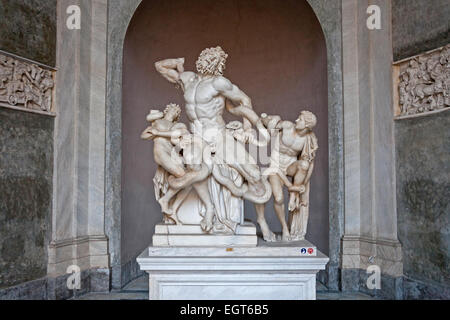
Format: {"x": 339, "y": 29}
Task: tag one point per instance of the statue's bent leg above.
{"x": 299, "y": 171}
{"x": 165, "y": 200}
{"x": 177, "y": 184}
{"x": 171, "y": 163}
{"x": 181, "y": 196}
{"x": 189, "y": 178}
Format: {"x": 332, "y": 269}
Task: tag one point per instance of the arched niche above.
{"x": 278, "y": 56}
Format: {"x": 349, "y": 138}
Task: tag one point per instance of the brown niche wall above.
{"x": 277, "y": 55}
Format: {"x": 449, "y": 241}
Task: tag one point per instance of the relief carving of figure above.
{"x": 425, "y": 83}
{"x": 25, "y": 85}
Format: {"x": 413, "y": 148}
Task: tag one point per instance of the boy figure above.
{"x": 293, "y": 155}
{"x": 171, "y": 178}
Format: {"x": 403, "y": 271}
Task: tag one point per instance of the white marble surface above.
{"x": 193, "y": 236}
{"x": 255, "y": 286}
{"x": 284, "y": 250}
{"x": 161, "y": 228}
{"x": 270, "y": 271}
{"x": 200, "y": 240}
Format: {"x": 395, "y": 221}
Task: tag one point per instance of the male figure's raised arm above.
{"x": 171, "y": 69}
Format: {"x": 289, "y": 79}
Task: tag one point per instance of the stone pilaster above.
{"x": 78, "y": 221}
{"x": 370, "y": 236}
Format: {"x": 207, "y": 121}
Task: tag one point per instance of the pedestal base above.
{"x": 193, "y": 236}
{"x": 281, "y": 271}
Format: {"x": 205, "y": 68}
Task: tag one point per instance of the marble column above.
{"x": 78, "y": 218}
{"x": 370, "y": 231}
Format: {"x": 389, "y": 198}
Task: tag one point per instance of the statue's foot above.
{"x": 207, "y": 223}
{"x": 286, "y": 237}
{"x": 165, "y": 208}
{"x": 167, "y": 220}
{"x": 174, "y": 218}
{"x": 269, "y": 236}
{"x": 297, "y": 237}
{"x": 171, "y": 219}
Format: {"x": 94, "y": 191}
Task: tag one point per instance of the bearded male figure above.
{"x": 207, "y": 94}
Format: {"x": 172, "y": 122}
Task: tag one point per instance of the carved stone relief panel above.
{"x": 422, "y": 83}
{"x": 25, "y": 85}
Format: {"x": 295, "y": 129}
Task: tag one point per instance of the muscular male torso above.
{"x": 204, "y": 104}
{"x": 291, "y": 142}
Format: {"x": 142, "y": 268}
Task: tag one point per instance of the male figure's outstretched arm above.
{"x": 241, "y": 104}
{"x": 285, "y": 125}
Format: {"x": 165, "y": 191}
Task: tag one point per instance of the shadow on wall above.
{"x": 277, "y": 56}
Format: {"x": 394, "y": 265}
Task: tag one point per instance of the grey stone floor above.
{"x": 138, "y": 290}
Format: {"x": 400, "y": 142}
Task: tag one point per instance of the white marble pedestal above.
{"x": 193, "y": 236}
{"x": 281, "y": 271}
